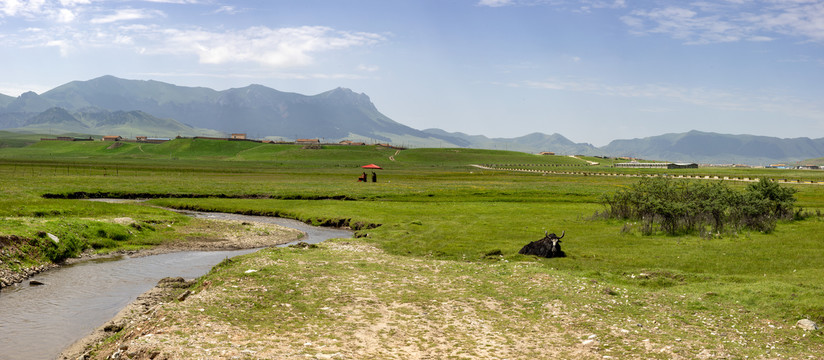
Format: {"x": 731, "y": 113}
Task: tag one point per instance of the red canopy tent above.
{"x": 371, "y": 166}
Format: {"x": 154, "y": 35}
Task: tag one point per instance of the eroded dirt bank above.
{"x": 202, "y": 235}
{"x": 256, "y": 233}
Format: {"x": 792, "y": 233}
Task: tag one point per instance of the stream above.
{"x": 38, "y": 322}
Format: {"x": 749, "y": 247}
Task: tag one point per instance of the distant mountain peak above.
{"x": 344, "y": 95}
{"x": 29, "y": 102}
{"x": 55, "y": 116}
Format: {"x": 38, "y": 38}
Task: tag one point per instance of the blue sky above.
{"x": 591, "y": 70}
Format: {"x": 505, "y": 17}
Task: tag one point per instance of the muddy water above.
{"x": 38, "y": 322}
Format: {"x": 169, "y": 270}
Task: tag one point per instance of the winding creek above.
{"x": 38, "y": 322}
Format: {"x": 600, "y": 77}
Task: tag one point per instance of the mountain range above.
{"x": 112, "y": 106}
{"x": 259, "y": 111}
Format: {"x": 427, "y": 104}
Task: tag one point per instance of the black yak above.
{"x": 549, "y": 246}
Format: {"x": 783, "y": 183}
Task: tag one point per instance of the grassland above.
{"x": 449, "y": 233}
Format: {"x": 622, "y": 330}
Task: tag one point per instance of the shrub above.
{"x": 69, "y": 246}
{"x": 682, "y": 207}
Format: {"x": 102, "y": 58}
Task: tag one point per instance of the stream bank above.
{"x": 41, "y": 321}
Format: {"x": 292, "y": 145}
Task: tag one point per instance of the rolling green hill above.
{"x": 815, "y": 161}
{"x": 293, "y": 155}
{"x": 17, "y": 140}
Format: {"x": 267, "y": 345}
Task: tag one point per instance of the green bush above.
{"x": 687, "y": 206}
{"x": 70, "y": 245}
{"x": 76, "y": 236}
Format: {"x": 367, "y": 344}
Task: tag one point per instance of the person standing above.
{"x": 374, "y": 177}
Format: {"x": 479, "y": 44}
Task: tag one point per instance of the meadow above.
{"x": 430, "y": 205}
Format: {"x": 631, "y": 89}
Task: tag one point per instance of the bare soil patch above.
{"x": 350, "y": 300}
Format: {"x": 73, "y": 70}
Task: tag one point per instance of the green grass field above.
{"x": 432, "y": 205}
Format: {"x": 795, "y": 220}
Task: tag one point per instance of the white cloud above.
{"x": 26, "y": 8}
{"x": 226, "y": 9}
{"x": 127, "y": 14}
{"x": 495, "y": 3}
{"x": 685, "y": 24}
{"x": 801, "y": 18}
{"x": 734, "y": 20}
{"x": 760, "y": 38}
{"x": 62, "y": 45}
{"x": 283, "y": 47}
{"x": 58, "y": 10}
{"x": 270, "y": 47}
{"x": 123, "y": 39}
{"x": 588, "y": 5}
{"x": 704, "y": 21}
{"x": 65, "y": 16}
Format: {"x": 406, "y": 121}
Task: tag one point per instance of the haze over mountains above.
{"x": 111, "y": 106}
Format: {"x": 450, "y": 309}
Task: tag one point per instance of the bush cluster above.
{"x": 77, "y": 236}
{"x": 680, "y": 206}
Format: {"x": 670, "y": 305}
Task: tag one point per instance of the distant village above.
{"x": 308, "y": 143}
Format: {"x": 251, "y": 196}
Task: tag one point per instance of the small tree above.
{"x": 778, "y": 200}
